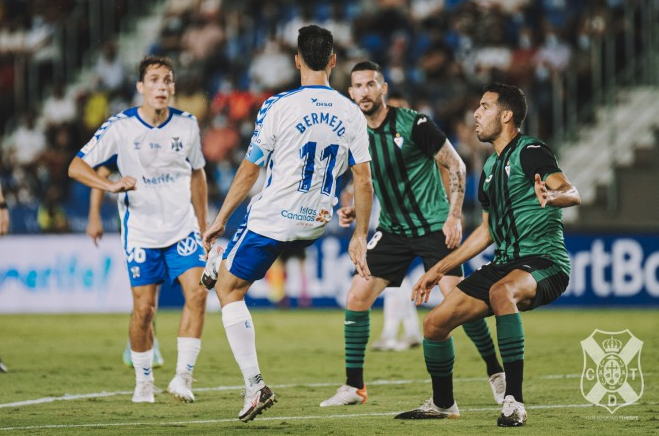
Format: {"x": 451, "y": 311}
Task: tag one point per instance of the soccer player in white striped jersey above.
{"x": 163, "y": 211}
{"x": 305, "y": 138}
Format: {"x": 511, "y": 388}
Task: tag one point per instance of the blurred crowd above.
{"x": 231, "y": 55}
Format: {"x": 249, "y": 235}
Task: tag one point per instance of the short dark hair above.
{"x": 158, "y": 61}
{"x": 316, "y": 46}
{"x": 367, "y": 66}
{"x": 511, "y": 98}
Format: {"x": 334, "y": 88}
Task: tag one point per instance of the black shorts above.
{"x": 294, "y": 253}
{"x": 551, "y": 280}
{"x": 389, "y": 255}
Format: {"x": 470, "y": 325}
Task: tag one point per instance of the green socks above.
{"x": 356, "y": 331}
{"x": 479, "y": 333}
{"x": 440, "y": 357}
{"x": 511, "y": 346}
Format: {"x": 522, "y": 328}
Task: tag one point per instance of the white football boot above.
{"x": 429, "y": 410}
{"x": 346, "y": 395}
{"x": 498, "y": 384}
{"x": 181, "y": 387}
{"x": 513, "y": 413}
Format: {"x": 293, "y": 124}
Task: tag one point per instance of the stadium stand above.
{"x": 64, "y": 69}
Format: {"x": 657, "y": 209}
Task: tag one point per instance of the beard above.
{"x": 491, "y": 134}
{"x": 375, "y": 106}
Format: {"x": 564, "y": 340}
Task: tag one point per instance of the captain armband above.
{"x": 257, "y": 155}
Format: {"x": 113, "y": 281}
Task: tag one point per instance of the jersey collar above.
{"x": 163, "y": 124}
{"x": 316, "y": 87}
{"x": 389, "y": 118}
{"x": 511, "y": 145}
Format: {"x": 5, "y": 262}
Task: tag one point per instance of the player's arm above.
{"x": 95, "y": 223}
{"x": 551, "y": 186}
{"x": 363, "y": 192}
{"x": 4, "y": 215}
{"x": 199, "y": 190}
{"x": 478, "y": 241}
{"x": 85, "y": 174}
{"x": 434, "y": 143}
{"x": 243, "y": 182}
{"x": 346, "y": 212}
{"x": 556, "y": 190}
{"x": 448, "y": 158}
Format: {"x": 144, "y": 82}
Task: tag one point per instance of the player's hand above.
{"x": 346, "y": 215}
{"x": 422, "y": 288}
{"x": 123, "y": 184}
{"x": 541, "y": 191}
{"x": 453, "y": 231}
{"x": 357, "y": 252}
{"x": 211, "y": 234}
{"x": 94, "y": 230}
{"x": 4, "y": 222}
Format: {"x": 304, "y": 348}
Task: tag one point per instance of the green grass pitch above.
{"x": 66, "y": 377}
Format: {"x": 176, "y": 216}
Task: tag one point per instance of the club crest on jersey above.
{"x": 399, "y": 140}
{"x": 507, "y": 168}
{"x": 177, "y": 145}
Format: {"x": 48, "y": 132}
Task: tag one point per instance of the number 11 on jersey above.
{"x": 308, "y": 156}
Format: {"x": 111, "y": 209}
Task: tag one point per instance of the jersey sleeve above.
{"x": 358, "y": 151}
{"x": 538, "y": 159}
{"x": 102, "y": 149}
{"x": 427, "y": 136}
{"x": 482, "y": 197}
{"x": 195, "y": 156}
{"x": 264, "y": 126}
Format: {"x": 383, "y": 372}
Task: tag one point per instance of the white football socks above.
{"x": 391, "y": 314}
{"x": 242, "y": 339}
{"x": 409, "y": 315}
{"x": 143, "y": 364}
{"x": 188, "y": 350}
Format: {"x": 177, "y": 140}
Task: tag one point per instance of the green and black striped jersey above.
{"x": 518, "y": 224}
{"x": 405, "y": 175}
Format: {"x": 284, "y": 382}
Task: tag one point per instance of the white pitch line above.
{"x": 271, "y": 418}
{"x": 69, "y": 397}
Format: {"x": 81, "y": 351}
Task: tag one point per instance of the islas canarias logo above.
{"x": 612, "y": 376}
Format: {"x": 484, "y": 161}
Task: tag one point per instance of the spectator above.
{"x": 271, "y": 68}
{"x": 27, "y": 143}
{"x": 51, "y": 216}
{"x": 109, "y": 71}
{"x": 58, "y": 108}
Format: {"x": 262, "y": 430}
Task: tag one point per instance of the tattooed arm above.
{"x": 448, "y": 158}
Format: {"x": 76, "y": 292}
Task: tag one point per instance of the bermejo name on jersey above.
{"x": 159, "y": 211}
{"x": 305, "y": 138}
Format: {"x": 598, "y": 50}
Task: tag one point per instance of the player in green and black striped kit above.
{"x": 522, "y": 191}
{"x": 416, "y": 220}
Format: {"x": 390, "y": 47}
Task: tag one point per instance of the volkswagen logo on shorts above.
{"x": 187, "y": 246}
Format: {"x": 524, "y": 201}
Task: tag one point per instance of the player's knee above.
{"x": 502, "y": 295}
{"x": 144, "y": 312}
{"x": 197, "y": 297}
{"x": 357, "y": 301}
{"x": 435, "y": 328}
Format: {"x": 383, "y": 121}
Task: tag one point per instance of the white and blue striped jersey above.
{"x": 159, "y": 212}
{"x": 305, "y": 138}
